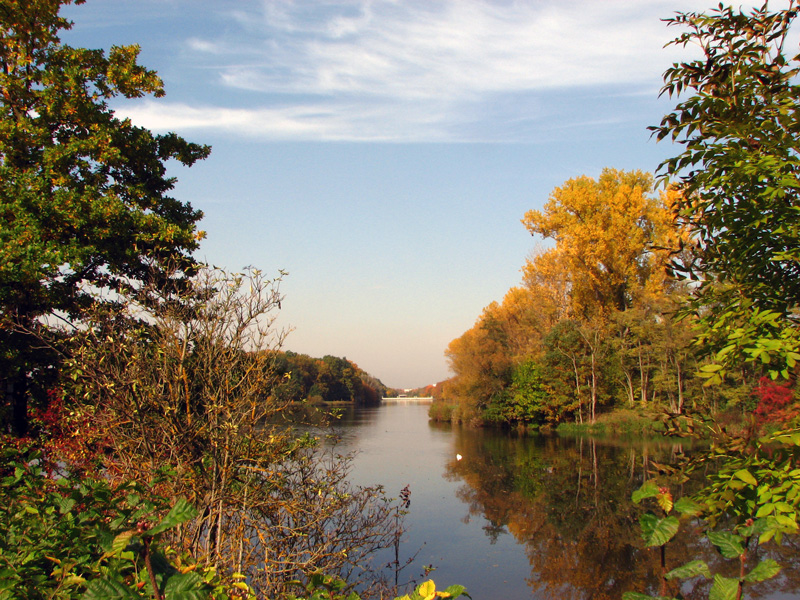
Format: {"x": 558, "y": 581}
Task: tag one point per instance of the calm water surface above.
{"x": 542, "y": 517}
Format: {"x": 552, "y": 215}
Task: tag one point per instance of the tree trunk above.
{"x": 644, "y": 378}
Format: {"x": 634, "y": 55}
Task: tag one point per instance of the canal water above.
{"x": 526, "y": 517}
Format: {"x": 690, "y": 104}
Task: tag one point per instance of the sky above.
{"x": 383, "y": 152}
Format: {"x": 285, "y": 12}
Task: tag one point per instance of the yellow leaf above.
{"x": 745, "y": 476}
{"x": 427, "y": 590}
{"x": 665, "y": 500}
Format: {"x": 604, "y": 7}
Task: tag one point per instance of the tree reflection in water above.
{"x": 568, "y": 501}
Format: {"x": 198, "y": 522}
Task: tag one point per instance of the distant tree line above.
{"x": 326, "y": 379}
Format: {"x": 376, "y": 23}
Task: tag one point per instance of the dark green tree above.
{"x": 84, "y": 205}
{"x": 739, "y": 174}
{"x": 567, "y": 372}
{"x": 524, "y": 401}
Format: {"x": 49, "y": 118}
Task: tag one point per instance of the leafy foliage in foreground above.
{"x": 65, "y": 537}
{"x": 327, "y": 587}
{"x": 753, "y": 499}
{"x": 739, "y": 178}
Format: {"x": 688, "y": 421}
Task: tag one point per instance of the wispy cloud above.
{"x": 302, "y": 122}
{"x": 414, "y": 69}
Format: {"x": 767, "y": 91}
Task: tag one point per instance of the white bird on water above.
{"x": 458, "y": 457}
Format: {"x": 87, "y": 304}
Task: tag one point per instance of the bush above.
{"x": 192, "y": 386}
{"x": 776, "y": 402}
{"x": 441, "y": 411}
{"x": 66, "y": 537}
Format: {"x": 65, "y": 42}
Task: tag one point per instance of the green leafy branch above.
{"x": 658, "y": 531}
{"x": 67, "y": 537}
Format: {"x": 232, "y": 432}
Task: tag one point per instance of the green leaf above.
{"x": 108, "y": 589}
{"x": 765, "y": 510}
{"x": 455, "y": 591}
{"x": 728, "y": 544}
{"x": 766, "y": 536}
{"x": 186, "y": 586}
{"x": 786, "y": 521}
{"x": 180, "y": 513}
{"x": 66, "y": 505}
{"x": 724, "y": 588}
{"x": 120, "y": 543}
{"x": 647, "y": 523}
{"x": 689, "y": 570}
{"x": 660, "y": 531}
{"x": 688, "y": 507}
{"x": 648, "y": 490}
{"x": 766, "y": 569}
{"x": 746, "y": 476}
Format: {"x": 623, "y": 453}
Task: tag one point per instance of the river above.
{"x": 514, "y": 517}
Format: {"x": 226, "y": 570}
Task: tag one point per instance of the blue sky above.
{"x": 383, "y": 152}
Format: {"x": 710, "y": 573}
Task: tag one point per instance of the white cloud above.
{"x": 198, "y": 45}
{"x": 295, "y": 122}
{"x": 416, "y": 69}
{"x": 449, "y": 48}
{"x": 298, "y": 122}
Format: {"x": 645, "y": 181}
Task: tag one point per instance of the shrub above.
{"x": 776, "y": 402}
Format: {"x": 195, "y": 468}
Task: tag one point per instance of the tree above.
{"x": 192, "y": 387}
{"x": 653, "y": 351}
{"x": 605, "y": 231}
{"x": 83, "y": 194}
{"x": 546, "y": 277}
{"x": 564, "y": 363}
{"x": 480, "y": 360}
{"x": 739, "y": 178}
{"x": 524, "y": 400}
{"x": 576, "y": 361}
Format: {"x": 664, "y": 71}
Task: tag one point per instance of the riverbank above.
{"x": 622, "y": 421}
{"x": 619, "y": 422}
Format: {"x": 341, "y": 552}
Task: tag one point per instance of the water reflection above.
{"x": 546, "y": 517}
{"x": 568, "y": 502}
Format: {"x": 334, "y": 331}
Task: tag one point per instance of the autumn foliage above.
{"x": 776, "y": 402}
{"x": 592, "y": 318}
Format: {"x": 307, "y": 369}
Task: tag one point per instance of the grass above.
{"x": 620, "y": 422}
{"x": 441, "y": 411}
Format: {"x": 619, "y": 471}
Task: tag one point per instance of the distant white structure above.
{"x": 402, "y": 399}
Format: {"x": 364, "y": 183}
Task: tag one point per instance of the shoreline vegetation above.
{"x": 620, "y": 422}
{"x": 148, "y": 442}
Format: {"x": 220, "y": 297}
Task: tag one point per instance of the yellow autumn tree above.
{"x": 546, "y": 278}
{"x": 614, "y": 238}
{"x": 481, "y": 363}
{"x": 607, "y": 239}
